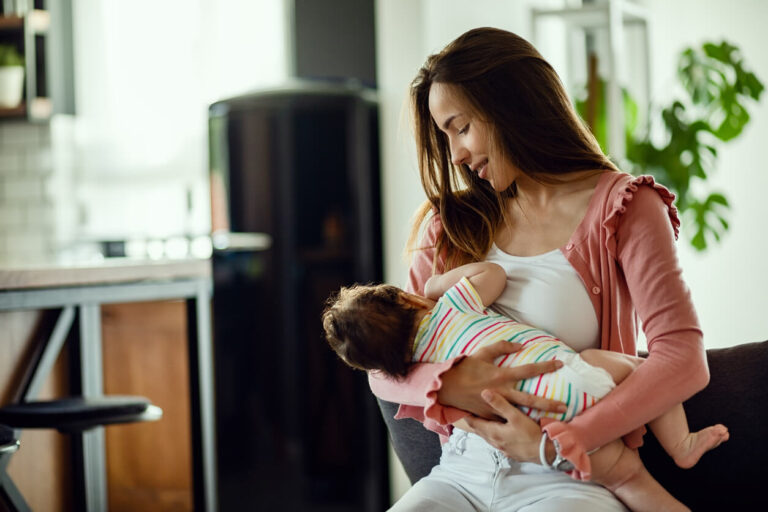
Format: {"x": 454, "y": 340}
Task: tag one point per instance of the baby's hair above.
{"x": 371, "y": 327}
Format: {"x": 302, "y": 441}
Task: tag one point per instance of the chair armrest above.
{"x": 733, "y": 473}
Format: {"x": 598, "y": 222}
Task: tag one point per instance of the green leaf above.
{"x": 717, "y": 198}
{"x": 698, "y": 241}
{"x": 719, "y": 92}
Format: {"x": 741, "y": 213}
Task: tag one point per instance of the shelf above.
{"x": 596, "y": 16}
{"x": 11, "y": 23}
{"x": 613, "y": 17}
{"x": 20, "y": 111}
{"x": 38, "y": 21}
{"x": 326, "y": 255}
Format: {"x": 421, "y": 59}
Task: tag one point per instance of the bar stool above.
{"x": 72, "y": 415}
{"x": 76, "y": 414}
{"x": 79, "y": 416}
{"x": 9, "y": 444}
{"x": 8, "y": 441}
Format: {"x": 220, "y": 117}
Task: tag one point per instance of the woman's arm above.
{"x": 676, "y": 366}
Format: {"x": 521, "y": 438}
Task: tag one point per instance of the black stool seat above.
{"x": 79, "y": 413}
{"x": 8, "y": 441}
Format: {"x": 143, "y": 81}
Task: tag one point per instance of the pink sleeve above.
{"x": 676, "y": 367}
{"x": 417, "y": 393}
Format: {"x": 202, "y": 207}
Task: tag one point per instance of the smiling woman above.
{"x": 509, "y": 169}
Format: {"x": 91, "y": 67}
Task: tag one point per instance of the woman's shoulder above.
{"x": 625, "y": 200}
{"x": 616, "y": 190}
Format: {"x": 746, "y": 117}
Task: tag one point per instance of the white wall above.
{"x": 729, "y": 282}
{"x": 145, "y": 74}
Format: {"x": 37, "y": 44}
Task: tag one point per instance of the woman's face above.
{"x": 468, "y": 137}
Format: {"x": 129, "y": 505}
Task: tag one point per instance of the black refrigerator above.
{"x": 296, "y": 214}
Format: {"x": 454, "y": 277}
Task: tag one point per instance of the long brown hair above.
{"x": 507, "y": 84}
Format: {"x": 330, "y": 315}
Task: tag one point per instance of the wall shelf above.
{"x": 44, "y": 38}
{"x": 613, "y": 16}
{"x": 16, "y": 112}
{"x": 11, "y": 23}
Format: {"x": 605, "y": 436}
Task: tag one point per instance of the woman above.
{"x": 512, "y": 176}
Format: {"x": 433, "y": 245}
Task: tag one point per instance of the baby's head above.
{"x": 372, "y": 327}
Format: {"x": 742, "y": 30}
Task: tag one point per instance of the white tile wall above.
{"x": 27, "y": 218}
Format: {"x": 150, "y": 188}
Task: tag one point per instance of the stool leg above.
{"x": 9, "y": 493}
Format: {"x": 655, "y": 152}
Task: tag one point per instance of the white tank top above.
{"x": 545, "y": 291}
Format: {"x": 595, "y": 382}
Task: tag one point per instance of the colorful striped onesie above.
{"x": 459, "y": 324}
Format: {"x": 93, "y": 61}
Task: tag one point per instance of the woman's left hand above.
{"x": 517, "y": 435}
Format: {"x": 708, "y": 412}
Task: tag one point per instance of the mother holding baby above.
{"x": 512, "y": 176}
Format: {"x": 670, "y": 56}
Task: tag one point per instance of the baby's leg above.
{"x": 620, "y": 470}
{"x": 671, "y": 429}
{"x": 617, "y": 364}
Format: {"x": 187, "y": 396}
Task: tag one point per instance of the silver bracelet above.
{"x": 560, "y": 463}
{"x": 543, "y": 449}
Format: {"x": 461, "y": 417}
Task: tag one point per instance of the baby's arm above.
{"x": 488, "y": 279}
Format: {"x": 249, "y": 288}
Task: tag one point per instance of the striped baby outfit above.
{"x": 460, "y": 324}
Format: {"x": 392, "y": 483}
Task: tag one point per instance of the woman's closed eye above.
{"x": 464, "y": 130}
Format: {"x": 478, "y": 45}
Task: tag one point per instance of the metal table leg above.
{"x": 94, "y": 467}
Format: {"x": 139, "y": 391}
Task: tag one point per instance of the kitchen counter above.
{"x": 78, "y": 288}
{"x": 16, "y": 275}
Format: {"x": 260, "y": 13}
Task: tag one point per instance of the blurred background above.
{"x": 151, "y": 125}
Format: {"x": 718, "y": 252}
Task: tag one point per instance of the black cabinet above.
{"x": 297, "y": 175}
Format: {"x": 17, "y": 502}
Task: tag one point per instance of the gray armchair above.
{"x": 727, "y": 478}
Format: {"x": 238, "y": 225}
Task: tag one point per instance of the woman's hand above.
{"x": 462, "y": 384}
{"x": 517, "y": 435}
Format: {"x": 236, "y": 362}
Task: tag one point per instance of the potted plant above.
{"x": 719, "y": 89}
{"x": 11, "y": 76}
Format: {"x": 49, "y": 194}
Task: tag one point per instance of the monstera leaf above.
{"x": 719, "y": 90}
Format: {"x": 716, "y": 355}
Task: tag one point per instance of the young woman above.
{"x": 512, "y": 176}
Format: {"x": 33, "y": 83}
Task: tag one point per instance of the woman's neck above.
{"x": 534, "y": 195}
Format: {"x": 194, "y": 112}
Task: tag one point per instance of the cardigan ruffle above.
{"x": 624, "y": 196}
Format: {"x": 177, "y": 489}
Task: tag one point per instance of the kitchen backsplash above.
{"x": 27, "y": 208}
{"x": 51, "y": 203}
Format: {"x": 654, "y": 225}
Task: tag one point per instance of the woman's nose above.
{"x": 459, "y": 154}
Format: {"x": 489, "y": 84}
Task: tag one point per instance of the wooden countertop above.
{"x": 17, "y": 275}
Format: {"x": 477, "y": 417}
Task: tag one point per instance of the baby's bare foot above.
{"x": 696, "y": 444}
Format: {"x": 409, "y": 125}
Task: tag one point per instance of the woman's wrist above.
{"x": 549, "y": 454}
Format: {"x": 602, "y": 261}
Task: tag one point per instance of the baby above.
{"x": 382, "y": 327}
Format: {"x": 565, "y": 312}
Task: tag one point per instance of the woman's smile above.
{"x": 482, "y": 170}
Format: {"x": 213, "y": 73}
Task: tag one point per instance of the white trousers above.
{"x": 474, "y": 476}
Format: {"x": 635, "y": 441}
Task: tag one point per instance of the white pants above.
{"x": 473, "y": 476}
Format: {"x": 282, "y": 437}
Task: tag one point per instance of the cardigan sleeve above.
{"x": 642, "y": 231}
{"x": 417, "y": 393}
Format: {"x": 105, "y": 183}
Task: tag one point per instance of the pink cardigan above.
{"x": 625, "y": 254}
